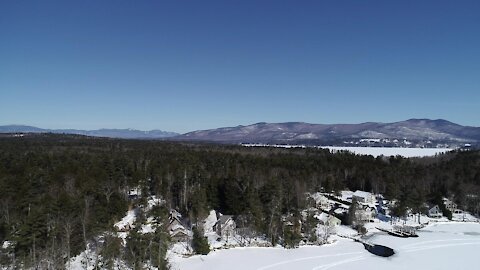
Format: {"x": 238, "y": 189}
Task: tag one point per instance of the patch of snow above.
{"x": 307, "y": 136}
{"x": 179, "y": 248}
{"x": 371, "y": 134}
{"x": 209, "y": 222}
{"x": 147, "y": 228}
{"x": 127, "y": 221}
{"x": 6, "y": 244}
{"x": 154, "y": 201}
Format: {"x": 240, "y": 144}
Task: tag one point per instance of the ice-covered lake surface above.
{"x": 390, "y": 151}
{"x": 439, "y": 246}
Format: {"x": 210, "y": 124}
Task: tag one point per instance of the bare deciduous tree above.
{"x": 108, "y": 189}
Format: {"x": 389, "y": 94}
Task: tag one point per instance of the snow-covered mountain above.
{"x": 417, "y": 130}
{"x": 111, "y": 133}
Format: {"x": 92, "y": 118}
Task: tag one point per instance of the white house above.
{"x": 178, "y": 233}
{"x": 225, "y": 226}
{"x": 366, "y": 213}
{"x": 364, "y": 197}
{"x": 329, "y": 220}
{"x": 176, "y": 228}
{"x": 321, "y": 201}
{"x": 434, "y": 212}
{"x": 450, "y": 205}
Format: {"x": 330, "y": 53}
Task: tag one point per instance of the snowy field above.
{"x": 389, "y": 151}
{"x": 451, "y": 245}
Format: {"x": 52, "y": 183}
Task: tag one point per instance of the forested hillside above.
{"x": 58, "y": 192}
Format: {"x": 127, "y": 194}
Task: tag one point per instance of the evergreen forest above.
{"x": 60, "y": 192}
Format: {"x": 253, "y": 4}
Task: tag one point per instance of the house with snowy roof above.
{"x": 366, "y": 213}
{"x": 450, "y": 205}
{"x": 340, "y": 209}
{"x": 364, "y": 197}
{"x": 434, "y": 212}
{"x": 225, "y": 226}
{"x": 178, "y": 233}
{"x": 321, "y": 202}
{"x": 328, "y": 220}
{"x": 177, "y": 228}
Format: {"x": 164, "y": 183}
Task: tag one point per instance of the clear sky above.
{"x": 188, "y": 65}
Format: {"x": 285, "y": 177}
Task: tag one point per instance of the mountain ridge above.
{"x": 127, "y": 133}
{"x": 438, "y": 131}
{"x": 421, "y": 131}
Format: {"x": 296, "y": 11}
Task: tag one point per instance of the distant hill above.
{"x": 111, "y": 133}
{"x": 412, "y": 132}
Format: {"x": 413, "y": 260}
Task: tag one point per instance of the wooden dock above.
{"x": 400, "y": 231}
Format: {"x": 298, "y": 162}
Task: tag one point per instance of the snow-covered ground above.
{"x": 389, "y": 151}
{"x": 443, "y": 245}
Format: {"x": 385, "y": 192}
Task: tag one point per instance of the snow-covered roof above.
{"x": 322, "y": 217}
{"x": 319, "y": 198}
{"x": 346, "y": 195}
{"x": 179, "y": 232}
{"x": 362, "y": 194}
{"x": 177, "y": 227}
{"x": 224, "y": 219}
{"x": 175, "y": 214}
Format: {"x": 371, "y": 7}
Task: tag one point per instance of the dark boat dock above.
{"x": 379, "y": 250}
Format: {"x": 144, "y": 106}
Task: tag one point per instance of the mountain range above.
{"x": 412, "y": 129}
{"x": 111, "y": 133}
{"x": 419, "y": 132}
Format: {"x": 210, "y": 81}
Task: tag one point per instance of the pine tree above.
{"x": 352, "y": 212}
{"x": 200, "y": 243}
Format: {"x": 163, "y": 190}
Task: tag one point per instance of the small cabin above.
{"x": 435, "y": 212}
{"x": 225, "y": 226}
{"x": 177, "y": 228}
{"x": 328, "y": 220}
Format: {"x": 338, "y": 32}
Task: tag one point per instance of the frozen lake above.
{"x": 389, "y": 151}
{"x": 439, "y": 246}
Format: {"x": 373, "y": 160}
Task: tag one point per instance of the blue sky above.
{"x": 188, "y": 65}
